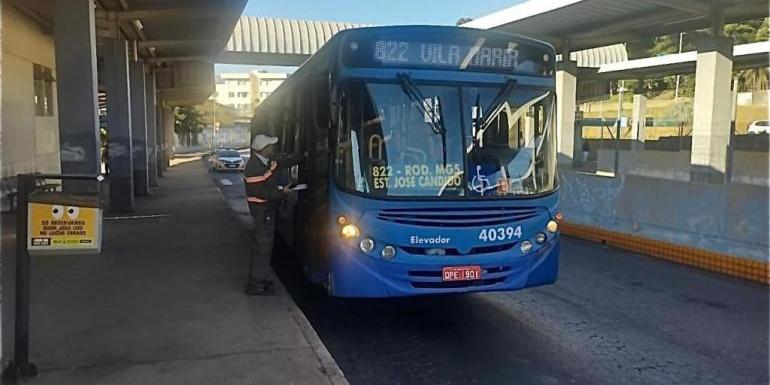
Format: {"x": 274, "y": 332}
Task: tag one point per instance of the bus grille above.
{"x": 457, "y": 217}
{"x": 453, "y": 251}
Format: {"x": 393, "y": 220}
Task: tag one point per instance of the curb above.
{"x": 327, "y": 365}
{"x": 728, "y": 265}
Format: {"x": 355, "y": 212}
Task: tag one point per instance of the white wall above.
{"x": 29, "y": 143}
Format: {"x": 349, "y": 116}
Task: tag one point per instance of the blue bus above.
{"x": 431, "y": 162}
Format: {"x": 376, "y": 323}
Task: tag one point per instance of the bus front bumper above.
{"x": 355, "y": 274}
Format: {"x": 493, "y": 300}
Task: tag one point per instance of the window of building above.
{"x": 43, "y": 81}
{"x": 231, "y": 94}
{"x": 243, "y": 95}
{"x": 263, "y": 83}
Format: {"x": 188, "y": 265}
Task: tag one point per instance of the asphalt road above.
{"x": 612, "y": 318}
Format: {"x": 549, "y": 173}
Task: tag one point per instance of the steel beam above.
{"x": 173, "y": 42}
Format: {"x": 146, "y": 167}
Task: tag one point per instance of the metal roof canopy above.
{"x": 266, "y": 41}
{"x": 592, "y": 23}
{"x": 753, "y": 55}
{"x": 168, "y": 30}
{"x": 180, "y": 38}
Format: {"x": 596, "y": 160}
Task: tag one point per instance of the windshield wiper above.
{"x": 497, "y": 102}
{"x": 434, "y": 115}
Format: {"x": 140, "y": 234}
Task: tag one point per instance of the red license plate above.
{"x": 461, "y": 273}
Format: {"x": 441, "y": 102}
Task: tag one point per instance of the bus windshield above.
{"x": 414, "y": 140}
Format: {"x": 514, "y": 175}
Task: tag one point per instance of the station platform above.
{"x": 164, "y": 302}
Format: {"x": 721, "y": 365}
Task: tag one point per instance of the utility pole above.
{"x": 676, "y": 92}
{"x": 621, "y": 88}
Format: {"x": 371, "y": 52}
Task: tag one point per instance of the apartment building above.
{"x": 244, "y": 91}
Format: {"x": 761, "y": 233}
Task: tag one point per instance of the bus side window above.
{"x": 287, "y": 133}
{"x": 318, "y": 110}
{"x": 321, "y": 101}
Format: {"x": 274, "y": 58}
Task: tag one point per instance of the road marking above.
{"x": 225, "y": 182}
{"x": 137, "y": 217}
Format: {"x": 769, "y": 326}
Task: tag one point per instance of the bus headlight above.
{"x": 540, "y": 238}
{"x": 350, "y": 231}
{"x": 552, "y": 227}
{"x": 526, "y": 246}
{"x": 366, "y": 245}
{"x": 388, "y": 252}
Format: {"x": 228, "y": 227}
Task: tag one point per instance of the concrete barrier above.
{"x": 749, "y": 167}
{"x": 727, "y": 220}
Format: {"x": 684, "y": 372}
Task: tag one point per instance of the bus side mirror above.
{"x": 321, "y": 101}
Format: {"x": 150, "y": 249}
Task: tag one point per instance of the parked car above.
{"x": 759, "y": 127}
{"x": 227, "y": 159}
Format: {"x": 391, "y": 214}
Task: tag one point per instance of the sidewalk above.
{"x": 164, "y": 303}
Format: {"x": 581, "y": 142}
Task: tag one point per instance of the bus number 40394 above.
{"x": 500, "y": 233}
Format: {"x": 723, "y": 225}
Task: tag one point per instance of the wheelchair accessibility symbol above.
{"x": 480, "y": 183}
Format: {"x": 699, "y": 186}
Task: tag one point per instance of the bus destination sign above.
{"x": 438, "y": 54}
{"x": 469, "y": 53}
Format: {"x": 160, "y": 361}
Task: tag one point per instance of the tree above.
{"x": 212, "y": 112}
{"x": 187, "y": 125}
{"x": 753, "y": 79}
{"x": 463, "y": 20}
{"x": 749, "y": 31}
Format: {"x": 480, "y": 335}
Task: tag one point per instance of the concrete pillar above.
{"x": 160, "y": 139}
{"x": 138, "y": 128}
{"x": 731, "y": 141}
{"x": 119, "y": 125}
{"x": 639, "y": 118}
{"x": 169, "y": 139}
{"x": 76, "y": 87}
{"x": 567, "y": 138}
{"x": 152, "y": 142}
{"x": 711, "y": 110}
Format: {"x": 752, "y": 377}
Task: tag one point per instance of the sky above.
{"x": 379, "y": 12}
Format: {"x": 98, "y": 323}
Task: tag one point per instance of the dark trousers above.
{"x": 264, "y": 230}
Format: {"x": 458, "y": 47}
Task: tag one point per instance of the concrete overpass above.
{"x": 267, "y": 41}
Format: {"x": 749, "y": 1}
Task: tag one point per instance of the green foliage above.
{"x": 749, "y": 31}
{"x": 212, "y": 113}
{"x": 187, "y": 125}
{"x": 463, "y": 20}
{"x": 682, "y": 110}
{"x": 753, "y": 79}
{"x": 763, "y": 34}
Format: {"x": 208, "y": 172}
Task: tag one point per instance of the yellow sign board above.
{"x": 63, "y": 229}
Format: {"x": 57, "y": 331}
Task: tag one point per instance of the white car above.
{"x": 759, "y": 127}
{"x": 223, "y": 160}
